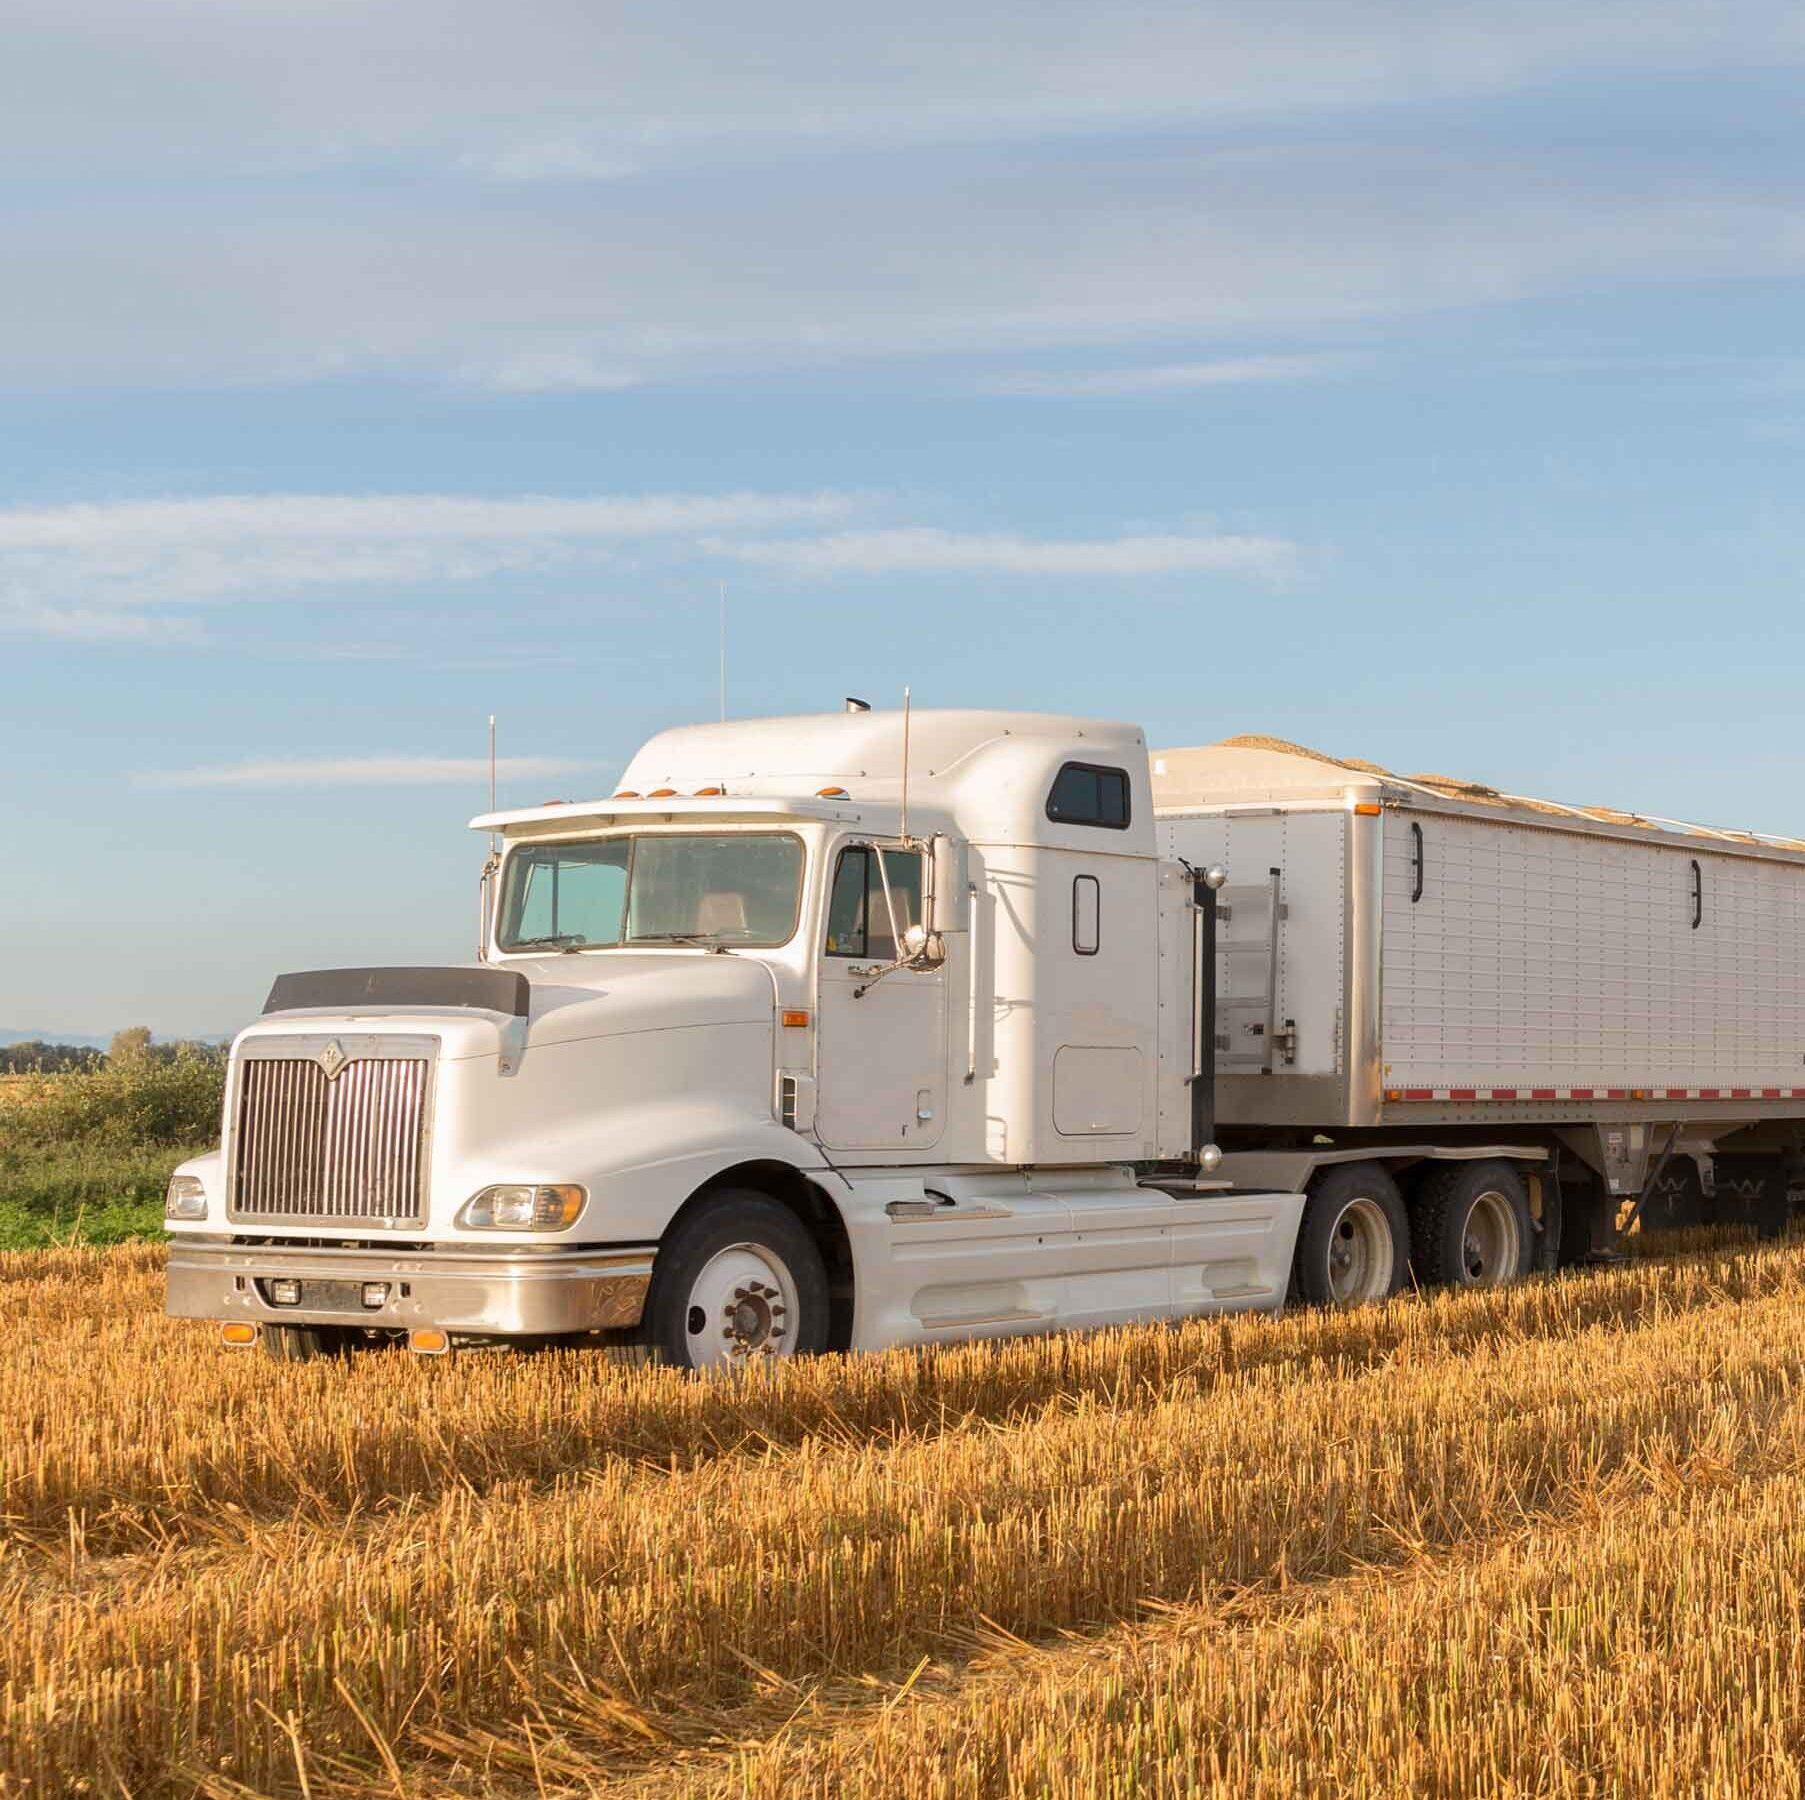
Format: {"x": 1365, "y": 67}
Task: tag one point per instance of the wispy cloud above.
{"x": 926, "y": 550}
{"x": 104, "y": 571}
{"x": 357, "y": 771}
{"x": 592, "y": 92}
{"x": 1170, "y": 378}
{"x": 549, "y": 371}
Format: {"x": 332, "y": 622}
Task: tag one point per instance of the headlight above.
{"x": 523, "y": 1208}
{"x": 185, "y": 1198}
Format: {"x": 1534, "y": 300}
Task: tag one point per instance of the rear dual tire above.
{"x": 1354, "y": 1245}
{"x": 1470, "y": 1226}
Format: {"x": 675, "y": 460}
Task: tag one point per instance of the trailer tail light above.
{"x": 238, "y": 1333}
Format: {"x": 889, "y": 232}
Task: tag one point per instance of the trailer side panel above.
{"x": 1522, "y": 963}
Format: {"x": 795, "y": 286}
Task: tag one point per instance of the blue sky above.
{"x": 1423, "y": 382}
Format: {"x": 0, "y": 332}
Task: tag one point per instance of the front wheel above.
{"x": 737, "y": 1284}
{"x": 306, "y": 1343}
{"x": 1354, "y": 1243}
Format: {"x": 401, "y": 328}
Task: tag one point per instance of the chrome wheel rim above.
{"x": 1361, "y": 1254}
{"x": 1491, "y": 1241}
{"x": 741, "y": 1310}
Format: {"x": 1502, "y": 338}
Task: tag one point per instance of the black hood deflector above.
{"x": 482, "y": 990}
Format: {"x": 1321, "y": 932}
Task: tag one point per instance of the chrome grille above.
{"x": 349, "y": 1147}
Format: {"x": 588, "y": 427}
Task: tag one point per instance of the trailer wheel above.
{"x": 738, "y": 1283}
{"x": 1355, "y": 1241}
{"x": 1470, "y": 1226}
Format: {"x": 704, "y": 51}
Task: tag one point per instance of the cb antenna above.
{"x": 492, "y": 844}
{"x": 905, "y": 780}
{"x": 723, "y": 653}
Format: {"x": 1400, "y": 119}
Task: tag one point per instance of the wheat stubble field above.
{"x": 1543, "y": 1540}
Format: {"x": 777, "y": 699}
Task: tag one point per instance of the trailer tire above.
{"x": 738, "y": 1282}
{"x": 1354, "y": 1244}
{"x": 1470, "y": 1225}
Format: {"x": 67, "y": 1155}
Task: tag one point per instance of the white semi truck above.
{"x": 854, "y": 1030}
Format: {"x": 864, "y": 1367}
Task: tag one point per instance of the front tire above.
{"x": 305, "y": 1343}
{"x": 1354, "y": 1245}
{"x": 1470, "y": 1226}
{"x": 739, "y": 1283}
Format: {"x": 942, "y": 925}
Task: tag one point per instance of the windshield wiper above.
{"x": 562, "y": 940}
{"x": 672, "y": 937}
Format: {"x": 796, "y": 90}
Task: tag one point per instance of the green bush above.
{"x": 133, "y": 1101}
{"x": 50, "y": 1196}
{"x": 86, "y": 1156}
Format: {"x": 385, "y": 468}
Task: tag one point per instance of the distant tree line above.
{"x": 36, "y": 1056}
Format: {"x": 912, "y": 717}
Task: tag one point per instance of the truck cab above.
{"x": 844, "y": 1030}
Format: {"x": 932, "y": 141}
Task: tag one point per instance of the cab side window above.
{"x": 1088, "y": 794}
{"x": 858, "y": 921}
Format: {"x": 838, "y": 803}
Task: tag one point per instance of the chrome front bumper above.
{"x": 504, "y": 1292}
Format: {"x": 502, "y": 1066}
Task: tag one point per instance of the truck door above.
{"x": 880, "y": 1072}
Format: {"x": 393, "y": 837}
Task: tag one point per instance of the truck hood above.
{"x": 571, "y": 998}
{"x": 612, "y": 994}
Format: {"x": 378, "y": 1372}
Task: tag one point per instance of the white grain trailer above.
{"x": 1615, "y": 1004}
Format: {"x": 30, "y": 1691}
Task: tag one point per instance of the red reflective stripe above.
{"x": 1419, "y": 1093}
{"x": 1543, "y": 1094}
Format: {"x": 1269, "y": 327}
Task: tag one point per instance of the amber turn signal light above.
{"x": 238, "y": 1333}
{"x": 796, "y": 1019}
{"x": 429, "y": 1343}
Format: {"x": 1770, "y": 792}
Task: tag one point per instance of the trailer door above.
{"x": 880, "y": 1037}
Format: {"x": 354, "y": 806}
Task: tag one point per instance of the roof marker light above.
{"x": 830, "y": 793}
{"x": 662, "y": 794}
{"x": 626, "y": 793}
{"x": 713, "y": 793}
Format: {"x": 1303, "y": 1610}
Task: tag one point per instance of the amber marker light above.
{"x": 830, "y": 793}
{"x": 238, "y": 1334}
{"x": 1367, "y": 809}
{"x": 625, "y": 794}
{"x": 662, "y": 794}
{"x": 796, "y": 1020}
{"x": 708, "y": 793}
{"x": 429, "y": 1343}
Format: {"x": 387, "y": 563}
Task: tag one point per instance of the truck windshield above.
{"x": 743, "y": 888}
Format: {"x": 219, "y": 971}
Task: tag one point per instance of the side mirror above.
{"x": 946, "y": 890}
